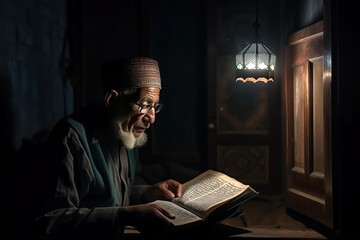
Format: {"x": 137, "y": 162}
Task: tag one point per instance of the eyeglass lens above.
{"x": 144, "y": 108}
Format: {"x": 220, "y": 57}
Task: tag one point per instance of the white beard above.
{"x": 128, "y": 138}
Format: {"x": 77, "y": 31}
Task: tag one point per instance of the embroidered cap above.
{"x": 137, "y": 72}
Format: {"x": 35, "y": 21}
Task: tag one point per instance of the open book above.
{"x": 211, "y": 196}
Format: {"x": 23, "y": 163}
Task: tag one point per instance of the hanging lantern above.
{"x": 255, "y": 62}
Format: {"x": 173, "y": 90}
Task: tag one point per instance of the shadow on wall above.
{"x": 7, "y": 146}
{"x": 19, "y": 164}
{"x": 8, "y": 122}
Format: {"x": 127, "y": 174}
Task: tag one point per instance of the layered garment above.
{"x": 91, "y": 175}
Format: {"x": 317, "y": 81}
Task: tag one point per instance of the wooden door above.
{"x": 307, "y": 126}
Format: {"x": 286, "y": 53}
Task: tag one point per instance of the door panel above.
{"x": 244, "y": 119}
{"x": 307, "y": 142}
{"x": 243, "y": 145}
{"x": 242, "y": 111}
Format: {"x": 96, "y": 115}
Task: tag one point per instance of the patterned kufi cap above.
{"x": 137, "y": 72}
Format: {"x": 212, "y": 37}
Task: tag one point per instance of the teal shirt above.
{"x": 104, "y": 188}
{"x": 87, "y": 172}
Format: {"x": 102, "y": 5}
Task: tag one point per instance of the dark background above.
{"x": 51, "y": 51}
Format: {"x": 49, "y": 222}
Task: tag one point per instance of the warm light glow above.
{"x": 262, "y": 66}
{"x": 251, "y": 79}
{"x": 255, "y": 56}
{"x": 250, "y": 66}
{"x": 255, "y": 63}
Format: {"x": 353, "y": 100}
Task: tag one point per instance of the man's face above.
{"x": 138, "y": 122}
{"x": 133, "y": 125}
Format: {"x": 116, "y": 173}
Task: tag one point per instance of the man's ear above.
{"x": 110, "y": 97}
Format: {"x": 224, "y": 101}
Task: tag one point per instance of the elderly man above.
{"x": 93, "y": 159}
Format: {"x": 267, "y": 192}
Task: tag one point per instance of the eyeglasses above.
{"x": 145, "y": 108}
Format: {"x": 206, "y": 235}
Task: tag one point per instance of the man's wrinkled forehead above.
{"x": 151, "y": 94}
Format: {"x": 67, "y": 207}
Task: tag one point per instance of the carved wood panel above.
{"x": 307, "y": 142}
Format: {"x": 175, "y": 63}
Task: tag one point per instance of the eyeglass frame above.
{"x": 147, "y": 107}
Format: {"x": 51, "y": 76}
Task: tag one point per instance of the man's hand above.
{"x": 169, "y": 189}
{"x": 166, "y": 190}
{"x": 147, "y": 218}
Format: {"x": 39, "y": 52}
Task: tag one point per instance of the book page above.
{"x": 208, "y": 190}
{"x": 182, "y": 216}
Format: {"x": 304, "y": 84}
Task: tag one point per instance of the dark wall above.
{"x": 179, "y": 43}
{"x": 31, "y": 42}
{"x": 345, "y": 114}
{"x": 34, "y": 93}
{"x": 110, "y": 29}
{"x": 300, "y": 14}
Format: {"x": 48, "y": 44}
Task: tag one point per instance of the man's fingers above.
{"x": 175, "y": 187}
{"x": 166, "y": 213}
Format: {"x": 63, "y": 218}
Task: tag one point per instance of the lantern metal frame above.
{"x": 255, "y": 62}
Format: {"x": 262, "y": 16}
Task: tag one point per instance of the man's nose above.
{"x": 150, "y": 116}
